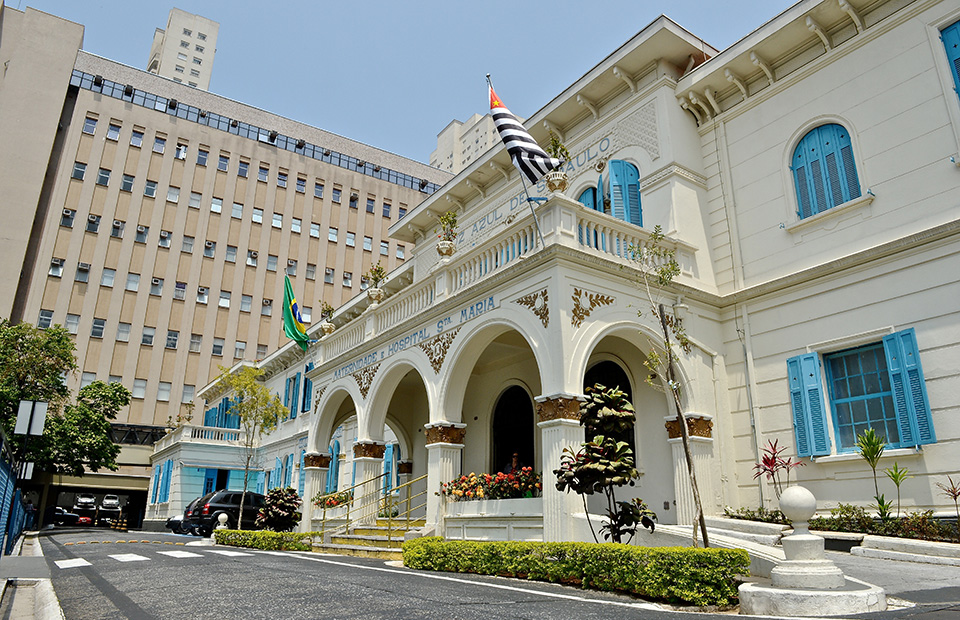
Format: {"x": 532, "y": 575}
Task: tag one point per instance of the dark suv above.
{"x": 205, "y": 514}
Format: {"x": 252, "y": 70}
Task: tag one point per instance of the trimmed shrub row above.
{"x": 676, "y": 575}
{"x": 265, "y": 539}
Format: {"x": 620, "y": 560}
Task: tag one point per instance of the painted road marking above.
{"x": 74, "y": 563}
{"x": 128, "y": 557}
{"x": 232, "y": 554}
{"x": 180, "y": 554}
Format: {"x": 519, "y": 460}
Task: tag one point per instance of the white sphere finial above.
{"x": 798, "y": 504}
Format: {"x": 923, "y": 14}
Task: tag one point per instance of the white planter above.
{"x": 497, "y": 508}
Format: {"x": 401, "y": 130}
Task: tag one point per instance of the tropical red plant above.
{"x": 772, "y": 465}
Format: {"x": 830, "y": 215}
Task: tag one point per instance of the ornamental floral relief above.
{"x": 436, "y": 348}
{"x": 445, "y": 434}
{"x": 558, "y": 409}
{"x": 585, "y": 302}
{"x": 364, "y": 378}
{"x": 696, "y": 427}
{"x": 537, "y": 303}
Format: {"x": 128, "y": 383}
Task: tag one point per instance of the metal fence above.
{"x": 12, "y": 513}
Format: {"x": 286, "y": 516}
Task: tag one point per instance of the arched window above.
{"x": 617, "y": 195}
{"x": 513, "y": 429}
{"x": 824, "y": 172}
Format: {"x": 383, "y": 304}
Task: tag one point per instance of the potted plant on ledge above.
{"x": 557, "y": 180}
{"x": 326, "y": 311}
{"x": 375, "y": 276}
{"x": 447, "y": 234}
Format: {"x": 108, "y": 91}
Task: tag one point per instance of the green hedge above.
{"x": 264, "y": 539}
{"x": 673, "y": 574}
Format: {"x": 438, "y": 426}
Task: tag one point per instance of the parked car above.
{"x": 109, "y": 510}
{"x": 62, "y": 517}
{"x": 205, "y": 514}
{"x": 179, "y": 524}
{"x": 85, "y": 502}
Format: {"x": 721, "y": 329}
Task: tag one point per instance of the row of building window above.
{"x": 223, "y": 164}
{"x": 148, "y": 335}
{"x": 126, "y": 92}
{"x": 68, "y": 217}
{"x": 139, "y": 390}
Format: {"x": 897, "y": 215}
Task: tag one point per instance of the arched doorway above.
{"x": 513, "y": 429}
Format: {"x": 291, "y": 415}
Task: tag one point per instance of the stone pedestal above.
{"x": 559, "y": 424}
{"x": 807, "y": 583}
{"x": 444, "y": 451}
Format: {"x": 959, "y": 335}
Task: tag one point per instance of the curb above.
{"x": 872, "y": 552}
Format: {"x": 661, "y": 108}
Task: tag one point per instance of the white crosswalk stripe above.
{"x": 231, "y": 554}
{"x": 180, "y": 554}
{"x": 129, "y": 557}
{"x": 72, "y": 563}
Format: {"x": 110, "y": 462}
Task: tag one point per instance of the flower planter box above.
{"x": 522, "y": 507}
{"x": 495, "y": 519}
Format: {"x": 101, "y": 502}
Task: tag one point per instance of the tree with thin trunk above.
{"x": 657, "y": 267}
{"x": 259, "y": 412}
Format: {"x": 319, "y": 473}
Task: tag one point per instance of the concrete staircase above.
{"x": 376, "y": 540}
{"x": 762, "y": 533}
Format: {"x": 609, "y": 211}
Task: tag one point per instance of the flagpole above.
{"x": 530, "y": 203}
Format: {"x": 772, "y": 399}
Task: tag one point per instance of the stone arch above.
{"x": 471, "y": 343}
{"x": 328, "y": 411}
{"x": 500, "y": 446}
{"x": 388, "y": 378}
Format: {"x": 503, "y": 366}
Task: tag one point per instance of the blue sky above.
{"x": 393, "y": 73}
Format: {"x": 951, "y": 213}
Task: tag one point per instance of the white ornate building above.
{"x": 806, "y": 177}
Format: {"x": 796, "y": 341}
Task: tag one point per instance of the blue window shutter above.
{"x": 156, "y": 483}
{"x": 951, "y": 43}
{"x": 286, "y": 393}
{"x": 303, "y": 474}
{"x": 588, "y": 198}
{"x": 333, "y": 474}
{"x": 617, "y": 170}
{"x": 209, "y": 480}
{"x": 295, "y": 398}
{"x": 807, "y": 404}
{"x": 261, "y": 479}
{"x": 288, "y": 481}
{"x": 276, "y": 480}
{"x": 824, "y": 170}
{"x": 909, "y": 389}
{"x": 307, "y": 389}
{"x": 388, "y": 468}
{"x": 631, "y": 185}
{"x": 165, "y": 486}
{"x": 210, "y": 417}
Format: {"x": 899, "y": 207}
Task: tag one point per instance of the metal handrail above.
{"x": 353, "y": 504}
{"x": 406, "y": 514}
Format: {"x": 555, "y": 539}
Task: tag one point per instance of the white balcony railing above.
{"x": 199, "y": 434}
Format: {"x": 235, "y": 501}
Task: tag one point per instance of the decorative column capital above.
{"x": 314, "y": 459}
{"x": 698, "y": 425}
{"x": 559, "y": 407}
{"x": 445, "y": 432}
{"x": 405, "y": 467}
{"x": 368, "y": 450}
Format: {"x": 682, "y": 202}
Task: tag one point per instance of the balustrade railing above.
{"x": 477, "y": 265}
{"x": 211, "y": 434}
{"x": 410, "y": 302}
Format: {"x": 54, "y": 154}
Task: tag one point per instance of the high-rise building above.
{"x": 184, "y": 52}
{"x": 461, "y": 143}
{"x": 156, "y": 221}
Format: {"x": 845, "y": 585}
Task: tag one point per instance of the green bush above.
{"x": 760, "y": 514}
{"x": 849, "y": 518}
{"x": 672, "y": 574}
{"x": 266, "y": 540}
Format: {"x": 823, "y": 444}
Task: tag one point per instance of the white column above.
{"x": 368, "y": 461}
{"x": 700, "y": 427}
{"x": 560, "y": 428}
{"x": 444, "y": 451}
{"x": 316, "y": 467}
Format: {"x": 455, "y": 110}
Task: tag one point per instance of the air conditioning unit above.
{"x": 267, "y": 302}
{"x": 164, "y": 234}
{"x": 291, "y": 262}
{"x": 202, "y": 290}
{"x": 141, "y": 229}
{"x": 83, "y": 266}
{"x": 68, "y": 212}
{"x": 156, "y": 281}
{"x": 93, "y": 218}
{"x": 208, "y": 244}
{"x": 254, "y": 254}
{"x": 301, "y": 143}
{"x": 56, "y": 261}
{"x": 172, "y": 104}
{"x": 354, "y": 197}
{"x": 117, "y": 223}
{"x": 128, "y": 90}
{"x": 273, "y": 136}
